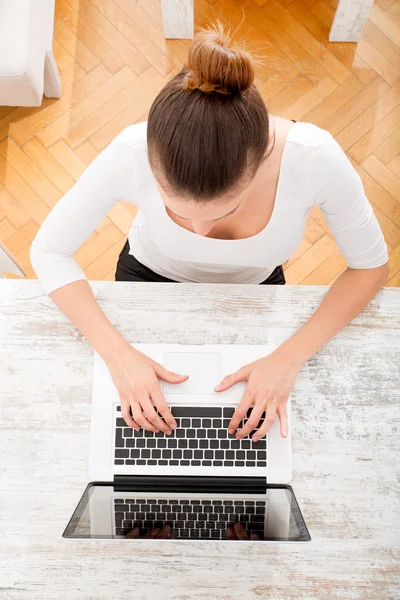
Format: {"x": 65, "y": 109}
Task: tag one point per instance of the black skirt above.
{"x": 130, "y": 269}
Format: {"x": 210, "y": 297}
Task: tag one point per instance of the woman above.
{"x": 223, "y": 191}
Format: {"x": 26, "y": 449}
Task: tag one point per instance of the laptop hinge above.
{"x": 183, "y": 483}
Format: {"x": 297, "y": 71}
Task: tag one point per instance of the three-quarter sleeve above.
{"x": 107, "y": 180}
{"x": 340, "y": 194}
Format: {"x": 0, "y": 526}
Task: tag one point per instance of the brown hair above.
{"x": 208, "y": 128}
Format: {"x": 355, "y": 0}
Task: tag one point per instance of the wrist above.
{"x": 291, "y": 353}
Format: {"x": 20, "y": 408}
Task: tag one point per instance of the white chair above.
{"x": 8, "y": 263}
{"x": 27, "y": 65}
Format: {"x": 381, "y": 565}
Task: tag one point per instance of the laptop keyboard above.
{"x": 200, "y": 439}
{"x": 203, "y": 519}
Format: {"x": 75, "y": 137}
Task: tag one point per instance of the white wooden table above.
{"x": 346, "y": 441}
{"x": 347, "y": 26}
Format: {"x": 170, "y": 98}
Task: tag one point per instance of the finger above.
{"x": 254, "y": 419}
{"x": 162, "y": 406}
{"x": 230, "y": 534}
{"x": 240, "y": 531}
{"x": 230, "y": 380}
{"x": 133, "y": 533}
{"x": 168, "y": 376}
{"x": 283, "y": 418}
{"x": 165, "y": 532}
{"x": 138, "y": 415}
{"x": 152, "y": 533}
{"x": 126, "y": 414}
{"x": 254, "y": 536}
{"x": 241, "y": 411}
{"x": 153, "y": 417}
{"x": 269, "y": 419}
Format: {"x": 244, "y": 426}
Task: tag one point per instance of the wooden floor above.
{"x": 113, "y": 60}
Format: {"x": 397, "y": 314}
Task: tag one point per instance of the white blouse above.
{"x": 314, "y": 170}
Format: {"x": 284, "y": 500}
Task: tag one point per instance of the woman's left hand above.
{"x": 269, "y": 383}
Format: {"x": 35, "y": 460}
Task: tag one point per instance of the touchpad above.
{"x": 204, "y": 370}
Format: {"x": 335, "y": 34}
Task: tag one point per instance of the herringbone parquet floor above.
{"x": 114, "y": 59}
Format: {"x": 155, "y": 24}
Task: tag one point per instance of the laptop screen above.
{"x": 105, "y": 513}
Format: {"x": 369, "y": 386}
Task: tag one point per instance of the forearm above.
{"x": 77, "y": 302}
{"x": 348, "y": 296}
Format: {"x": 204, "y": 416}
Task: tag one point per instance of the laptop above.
{"x": 200, "y": 480}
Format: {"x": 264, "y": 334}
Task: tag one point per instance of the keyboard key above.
{"x": 145, "y": 453}
{"x": 174, "y": 462}
{"x": 166, "y": 453}
{"x": 206, "y": 423}
{"x": 196, "y": 423}
{"x": 206, "y": 463}
{"x": 121, "y": 453}
{"x": 131, "y": 443}
{"x": 240, "y": 454}
{"x": 177, "y": 453}
{"x": 172, "y": 443}
{"x": 182, "y": 443}
{"x": 217, "y": 463}
{"x": 198, "y": 454}
{"x": 190, "y": 433}
{"x": 187, "y": 453}
{"x": 201, "y": 433}
{"x": 151, "y": 462}
{"x": 211, "y": 433}
{"x": 217, "y": 423}
{"x": 222, "y": 433}
{"x": 193, "y": 444}
{"x": 228, "y": 463}
{"x": 209, "y": 454}
{"x": 151, "y": 443}
{"x": 140, "y": 443}
{"x": 250, "y": 463}
{"x": 128, "y": 432}
{"x": 235, "y": 444}
{"x": 261, "y": 455}
{"x": 203, "y": 444}
{"x": 148, "y": 433}
{"x": 224, "y": 444}
{"x": 156, "y": 453}
{"x": 118, "y": 408}
{"x": 185, "y": 423}
{"x": 162, "y": 462}
{"x": 228, "y": 412}
{"x": 162, "y": 443}
{"x": 119, "y": 441}
{"x": 118, "y": 462}
{"x": 196, "y": 463}
{"x": 141, "y": 462}
{"x": 214, "y": 444}
{"x": 239, "y": 463}
{"x": 196, "y": 411}
{"x": 120, "y": 422}
{"x": 185, "y": 463}
{"x": 181, "y": 433}
{"x": 135, "y": 453}
{"x": 261, "y": 463}
{"x": 245, "y": 444}
{"x": 219, "y": 454}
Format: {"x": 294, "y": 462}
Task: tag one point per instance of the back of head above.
{"x": 208, "y": 128}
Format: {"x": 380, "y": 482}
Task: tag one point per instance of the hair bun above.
{"x": 216, "y": 65}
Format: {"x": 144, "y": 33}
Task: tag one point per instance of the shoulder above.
{"x": 133, "y": 136}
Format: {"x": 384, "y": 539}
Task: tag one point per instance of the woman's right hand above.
{"x": 135, "y": 376}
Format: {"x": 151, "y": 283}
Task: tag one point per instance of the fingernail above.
{"x": 255, "y": 439}
{"x": 238, "y": 437}
{"x": 218, "y": 387}
{"x": 230, "y": 430}
{"x": 173, "y": 426}
{"x": 169, "y": 432}
{"x": 284, "y": 433}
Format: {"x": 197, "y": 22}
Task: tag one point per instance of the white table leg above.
{"x": 349, "y": 20}
{"x": 178, "y": 18}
